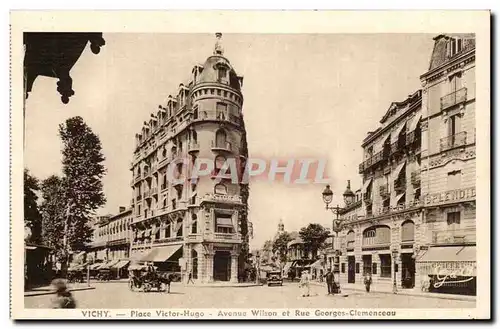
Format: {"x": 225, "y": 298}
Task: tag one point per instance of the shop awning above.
{"x": 395, "y": 133}
{"x": 161, "y": 254}
{"x": 121, "y": 264}
{"x": 113, "y": 263}
{"x": 224, "y": 221}
{"x": 366, "y": 184}
{"x": 414, "y": 122}
{"x": 317, "y": 264}
{"x": 449, "y": 254}
{"x": 95, "y": 266}
{"x": 398, "y": 169}
{"x": 399, "y": 197}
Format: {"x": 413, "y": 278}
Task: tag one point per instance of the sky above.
{"x": 305, "y": 95}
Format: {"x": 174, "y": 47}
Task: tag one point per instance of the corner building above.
{"x": 193, "y": 226}
{"x": 449, "y": 166}
{"x": 382, "y": 220}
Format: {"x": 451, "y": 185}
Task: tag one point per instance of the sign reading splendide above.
{"x": 450, "y": 196}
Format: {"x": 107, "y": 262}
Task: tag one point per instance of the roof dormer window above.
{"x": 456, "y": 45}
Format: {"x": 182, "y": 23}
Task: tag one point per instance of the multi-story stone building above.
{"x": 449, "y": 164}
{"x": 194, "y": 226}
{"x": 379, "y": 236}
{"x": 110, "y": 244}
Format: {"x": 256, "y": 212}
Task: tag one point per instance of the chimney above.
{"x": 121, "y": 209}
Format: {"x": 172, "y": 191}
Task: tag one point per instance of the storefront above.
{"x": 450, "y": 269}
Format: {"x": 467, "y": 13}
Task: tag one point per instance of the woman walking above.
{"x": 305, "y": 283}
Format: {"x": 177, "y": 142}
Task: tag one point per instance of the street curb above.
{"x": 403, "y": 293}
{"x": 41, "y": 293}
{"x": 223, "y": 286}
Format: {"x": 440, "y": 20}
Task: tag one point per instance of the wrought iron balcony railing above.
{"x": 453, "y": 141}
{"x": 454, "y": 98}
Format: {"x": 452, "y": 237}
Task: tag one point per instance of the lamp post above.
{"x": 336, "y": 227}
{"x": 394, "y": 284}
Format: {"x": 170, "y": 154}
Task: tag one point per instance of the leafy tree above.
{"x": 53, "y": 210}
{"x": 83, "y": 170}
{"x": 280, "y": 246}
{"x": 314, "y": 236}
{"x": 32, "y": 216}
{"x": 267, "y": 250}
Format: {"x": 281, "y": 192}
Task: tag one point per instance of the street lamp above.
{"x": 394, "y": 256}
{"x": 336, "y": 227}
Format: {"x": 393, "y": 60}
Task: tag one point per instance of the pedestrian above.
{"x": 190, "y": 277}
{"x": 63, "y": 298}
{"x": 305, "y": 283}
{"x": 329, "y": 278}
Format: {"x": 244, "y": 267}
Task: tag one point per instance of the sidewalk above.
{"x": 222, "y": 285}
{"x": 387, "y": 289}
{"x": 49, "y": 290}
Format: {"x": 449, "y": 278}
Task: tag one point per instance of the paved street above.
{"x": 117, "y": 295}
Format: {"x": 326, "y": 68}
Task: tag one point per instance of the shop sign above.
{"x": 453, "y": 272}
{"x": 450, "y": 196}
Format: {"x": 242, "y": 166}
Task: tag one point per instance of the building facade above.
{"x": 196, "y": 226}
{"x": 379, "y": 236}
{"x": 449, "y": 165}
{"x": 111, "y": 237}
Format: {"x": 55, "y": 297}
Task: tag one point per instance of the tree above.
{"x": 52, "y": 212}
{"x": 280, "y": 246}
{"x": 267, "y": 249}
{"x": 83, "y": 170}
{"x": 314, "y": 236}
{"x": 32, "y": 216}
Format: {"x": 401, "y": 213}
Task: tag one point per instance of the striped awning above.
{"x": 395, "y": 134}
{"x": 397, "y": 171}
{"x": 366, "y": 184}
{"x": 414, "y": 122}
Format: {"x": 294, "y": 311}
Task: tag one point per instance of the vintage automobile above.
{"x": 274, "y": 278}
{"x": 146, "y": 278}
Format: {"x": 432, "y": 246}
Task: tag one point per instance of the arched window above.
{"x": 194, "y": 224}
{"x": 350, "y": 240}
{"x": 408, "y": 231}
{"x": 377, "y": 235}
{"x": 173, "y": 151}
{"x": 220, "y": 189}
{"x": 220, "y": 138}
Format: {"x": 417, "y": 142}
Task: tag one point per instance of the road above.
{"x": 117, "y": 295}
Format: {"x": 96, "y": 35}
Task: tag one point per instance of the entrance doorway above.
{"x": 351, "y": 269}
{"x": 408, "y": 271}
{"x": 194, "y": 265}
{"x": 222, "y": 266}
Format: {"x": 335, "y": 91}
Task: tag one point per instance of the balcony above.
{"x": 154, "y": 191}
{"x": 459, "y": 236}
{"x": 219, "y": 116}
{"x": 162, "y": 162}
{"x": 415, "y": 178}
{"x": 193, "y": 147}
{"x": 194, "y": 238}
{"x": 221, "y": 146}
{"x": 361, "y": 167}
{"x": 453, "y": 141}
{"x": 169, "y": 239}
{"x": 227, "y": 236}
{"x": 137, "y": 178}
{"x": 384, "y": 191}
{"x": 413, "y": 137}
{"x": 147, "y": 194}
{"x": 454, "y": 98}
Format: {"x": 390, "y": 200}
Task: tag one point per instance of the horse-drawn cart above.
{"x": 147, "y": 278}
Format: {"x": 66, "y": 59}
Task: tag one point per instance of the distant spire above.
{"x": 218, "y": 49}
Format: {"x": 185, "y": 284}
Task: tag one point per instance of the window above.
{"x": 223, "y": 223}
{"x": 179, "y": 228}
{"x": 369, "y": 152}
{"x": 168, "y": 232}
{"x": 174, "y": 205}
{"x": 221, "y": 74}
{"x": 408, "y": 231}
{"x": 455, "y": 82}
{"x": 455, "y": 46}
{"x": 453, "y": 220}
{"x": 454, "y": 179}
{"x": 221, "y": 111}
{"x": 374, "y": 268}
{"x": 194, "y": 134}
{"x": 343, "y": 267}
{"x": 194, "y": 224}
{"x": 453, "y": 125}
{"x": 157, "y": 233}
{"x": 385, "y": 266}
{"x": 220, "y": 189}
{"x": 219, "y": 163}
{"x": 350, "y": 240}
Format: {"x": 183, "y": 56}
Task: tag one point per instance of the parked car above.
{"x": 274, "y": 277}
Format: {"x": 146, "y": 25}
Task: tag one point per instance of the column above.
{"x": 234, "y": 268}
{"x": 210, "y": 267}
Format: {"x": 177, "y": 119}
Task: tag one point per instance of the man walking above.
{"x": 190, "y": 278}
{"x": 329, "y": 280}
